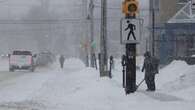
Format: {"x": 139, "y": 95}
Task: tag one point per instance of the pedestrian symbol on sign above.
{"x": 132, "y": 28}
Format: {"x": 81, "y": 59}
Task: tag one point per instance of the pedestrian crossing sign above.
{"x": 131, "y": 30}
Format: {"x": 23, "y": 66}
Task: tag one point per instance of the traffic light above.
{"x": 130, "y": 8}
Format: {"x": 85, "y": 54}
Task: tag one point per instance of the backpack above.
{"x": 155, "y": 65}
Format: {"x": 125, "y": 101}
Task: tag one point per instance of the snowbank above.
{"x": 176, "y": 72}
{"x": 178, "y": 79}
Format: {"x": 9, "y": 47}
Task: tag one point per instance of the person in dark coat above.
{"x": 112, "y": 62}
{"x": 150, "y": 71}
{"x": 61, "y": 60}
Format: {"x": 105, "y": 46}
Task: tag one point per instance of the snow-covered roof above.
{"x": 185, "y": 14}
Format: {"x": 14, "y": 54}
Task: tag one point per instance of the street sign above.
{"x": 131, "y": 30}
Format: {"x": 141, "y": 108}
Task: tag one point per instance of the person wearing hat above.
{"x": 150, "y": 71}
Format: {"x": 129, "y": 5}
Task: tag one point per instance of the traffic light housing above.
{"x": 130, "y": 8}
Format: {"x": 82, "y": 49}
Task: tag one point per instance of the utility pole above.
{"x": 103, "y": 40}
{"x": 153, "y": 25}
{"x": 92, "y": 48}
{"x": 48, "y": 37}
{"x": 85, "y": 32}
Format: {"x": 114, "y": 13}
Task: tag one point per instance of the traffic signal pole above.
{"x": 130, "y": 63}
{"x": 130, "y": 8}
{"x": 130, "y": 68}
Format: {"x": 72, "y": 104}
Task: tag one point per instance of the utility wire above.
{"x": 55, "y": 21}
{"x": 30, "y": 5}
{"x": 44, "y": 21}
{"x": 119, "y": 8}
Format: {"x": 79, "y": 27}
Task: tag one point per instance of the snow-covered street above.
{"x": 78, "y": 87}
{"x": 53, "y": 54}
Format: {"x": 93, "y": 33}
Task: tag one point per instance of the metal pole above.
{"x": 129, "y": 60}
{"x": 153, "y": 27}
{"x": 91, "y": 17}
{"x": 103, "y": 40}
{"x": 153, "y": 32}
{"x": 130, "y": 76}
{"x": 85, "y": 31}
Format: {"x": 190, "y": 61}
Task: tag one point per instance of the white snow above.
{"x": 77, "y": 87}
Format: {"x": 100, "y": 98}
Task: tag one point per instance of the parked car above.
{"x": 21, "y": 60}
{"x": 44, "y": 59}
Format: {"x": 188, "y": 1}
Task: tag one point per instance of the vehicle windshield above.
{"x": 22, "y": 53}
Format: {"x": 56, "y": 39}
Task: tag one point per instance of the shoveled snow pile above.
{"x": 178, "y": 78}
{"x": 173, "y": 71}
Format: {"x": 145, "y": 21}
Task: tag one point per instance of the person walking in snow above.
{"x": 111, "y": 65}
{"x": 61, "y": 60}
{"x": 150, "y": 69}
{"x": 112, "y": 62}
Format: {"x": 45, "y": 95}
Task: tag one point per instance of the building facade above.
{"x": 174, "y": 34}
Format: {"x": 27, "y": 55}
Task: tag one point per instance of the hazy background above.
{"x": 60, "y": 26}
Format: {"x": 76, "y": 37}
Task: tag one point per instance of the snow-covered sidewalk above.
{"x": 77, "y": 87}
